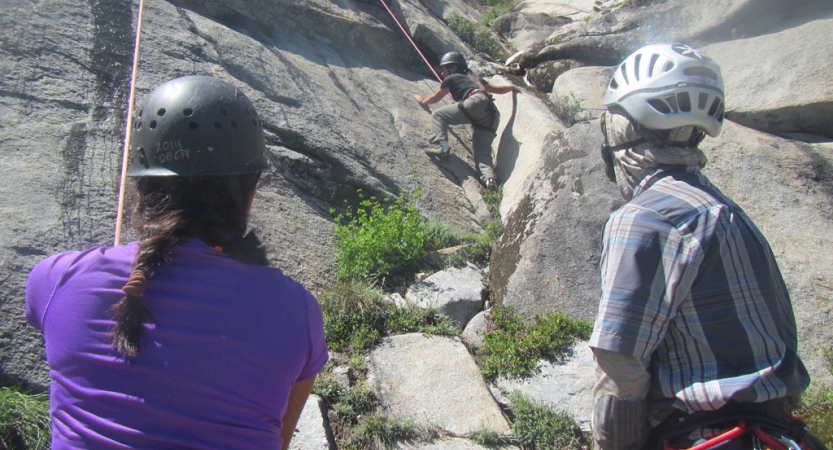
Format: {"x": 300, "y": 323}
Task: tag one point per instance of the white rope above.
{"x": 128, "y": 125}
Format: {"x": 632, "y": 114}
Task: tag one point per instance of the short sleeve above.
{"x": 318, "y": 343}
{"x": 643, "y": 262}
{"x": 40, "y": 287}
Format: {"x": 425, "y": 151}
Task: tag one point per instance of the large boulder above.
{"x": 607, "y": 38}
{"x": 577, "y": 94}
{"x": 542, "y": 77}
{"x": 456, "y": 292}
{"x": 768, "y": 93}
{"x": 433, "y": 380}
{"x": 525, "y": 29}
{"x": 565, "y": 384}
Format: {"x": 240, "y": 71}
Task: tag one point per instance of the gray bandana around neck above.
{"x": 632, "y": 165}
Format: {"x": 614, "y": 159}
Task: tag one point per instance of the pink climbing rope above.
{"x": 412, "y": 41}
{"x": 129, "y": 125}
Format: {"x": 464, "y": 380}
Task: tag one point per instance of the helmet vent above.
{"x": 140, "y": 112}
{"x": 668, "y": 66}
{"x": 248, "y": 113}
{"x": 684, "y": 101}
{"x": 624, "y": 70}
{"x": 233, "y": 124}
{"x": 218, "y": 125}
{"x": 254, "y": 122}
{"x": 188, "y": 112}
{"x": 659, "y": 105}
{"x": 636, "y": 66}
{"x": 653, "y": 63}
{"x": 672, "y": 102}
{"x": 702, "y": 100}
{"x": 152, "y": 124}
{"x": 717, "y": 109}
{"x": 193, "y": 125}
{"x": 700, "y": 72}
{"x": 161, "y": 112}
{"x": 613, "y": 84}
{"x": 223, "y": 111}
{"x": 715, "y": 106}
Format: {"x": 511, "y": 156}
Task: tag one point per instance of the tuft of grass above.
{"x": 490, "y": 438}
{"x": 357, "y": 315}
{"x": 817, "y": 408}
{"x": 439, "y": 235}
{"x": 479, "y": 37}
{"x": 377, "y": 431}
{"x": 513, "y": 347}
{"x": 379, "y": 238}
{"x": 24, "y": 420}
{"x": 540, "y": 426}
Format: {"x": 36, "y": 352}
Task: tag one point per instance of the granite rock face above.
{"x": 332, "y": 81}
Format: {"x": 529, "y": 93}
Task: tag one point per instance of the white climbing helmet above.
{"x": 665, "y": 86}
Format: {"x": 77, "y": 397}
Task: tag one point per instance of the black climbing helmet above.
{"x": 196, "y": 126}
{"x": 455, "y": 58}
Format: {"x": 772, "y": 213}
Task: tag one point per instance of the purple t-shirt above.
{"x": 216, "y": 365}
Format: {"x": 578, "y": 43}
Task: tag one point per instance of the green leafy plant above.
{"x": 357, "y": 315}
{"x": 24, "y": 420}
{"x": 817, "y": 409}
{"x": 537, "y": 425}
{"x": 477, "y": 35}
{"x": 513, "y": 347}
{"x": 379, "y": 238}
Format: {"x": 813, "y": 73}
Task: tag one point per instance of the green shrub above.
{"x": 495, "y": 9}
{"x": 539, "y": 426}
{"x": 24, "y": 420}
{"x": 357, "y": 315}
{"x": 478, "y": 36}
{"x": 513, "y": 347}
{"x": 379, "y": 238}
{"x": 817, "y": 409}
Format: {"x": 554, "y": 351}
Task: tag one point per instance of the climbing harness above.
{"x": 752, "y": 430}
{"x": 128, "y": 125}
{"x": 393, "y": 16}
{"x": 490, "y": 111}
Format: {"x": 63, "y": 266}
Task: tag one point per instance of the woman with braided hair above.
{"x": 185, "y": 338}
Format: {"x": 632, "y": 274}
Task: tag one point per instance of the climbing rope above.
{"x": 129, "y": 125}
{"x": 412, "y": 41}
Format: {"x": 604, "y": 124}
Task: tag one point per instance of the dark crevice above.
{"x": 31, "y": 98}
{"x": 111, "y": 57}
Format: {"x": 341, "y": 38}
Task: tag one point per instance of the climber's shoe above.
{"x": 437, "y": 152}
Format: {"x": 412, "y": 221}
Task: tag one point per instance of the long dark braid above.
{"x": 171, "y": 209}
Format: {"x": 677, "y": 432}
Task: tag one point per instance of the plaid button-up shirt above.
{"x": 689, "y": 284}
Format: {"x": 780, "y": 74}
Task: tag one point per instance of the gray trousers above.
{"x": 485, "y": 125}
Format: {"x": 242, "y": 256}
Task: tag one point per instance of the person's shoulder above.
{"x": 60, "y": 262}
